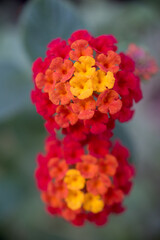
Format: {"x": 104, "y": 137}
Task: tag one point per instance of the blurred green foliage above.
{"x": 22, "y": 214}
{"x": 43, "y": 21}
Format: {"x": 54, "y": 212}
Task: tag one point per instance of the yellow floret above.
{"x": 82, "y": 81}
{"x": 103, "y": 80}
{"x": 81, "y": 87}
{"x": 74, "y": 199}
{"x": 74, "y": 179}
{"x": 93, "y": 203}
{"x": 84, "y": 66}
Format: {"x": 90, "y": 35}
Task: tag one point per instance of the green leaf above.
{"x": 11, "y": 47}
{"x": 15, "y": 89}
{"x": 44, "y": 20}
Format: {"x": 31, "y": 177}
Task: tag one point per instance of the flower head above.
{"x": 93, "y": 185}
{"x": 85, "y": 77}
{"x": 145, "y": 65}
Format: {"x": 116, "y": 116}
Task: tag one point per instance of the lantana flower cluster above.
{"x": 90, "y": 189}
{"x": 82, "y": 87}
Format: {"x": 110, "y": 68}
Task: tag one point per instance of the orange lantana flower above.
{"x": 88, "y": 167}
{"x": 61, "y": 94}
{"x": 84, "y": 108}
{"x": 110, "y": 62}
{"x": 80, "y": 48}
{"x": 98, "y": 185}
{"x": 65, "y": 116}
{"x": 45, "y": 81}
{"x": 59, "y": 170}
{"x": 108, "y": 165}
{"x": 58, "y": 189}
{"x": 109, "y": 101}
{"x": 62, "y": 69}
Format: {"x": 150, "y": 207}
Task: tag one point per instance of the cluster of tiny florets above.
{"x": 145, "y": 65}
{"x": 81, "y": 88}
{"x": 90, "y": 189}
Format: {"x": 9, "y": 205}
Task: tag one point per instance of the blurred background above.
{"x": 25, "y": 29}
